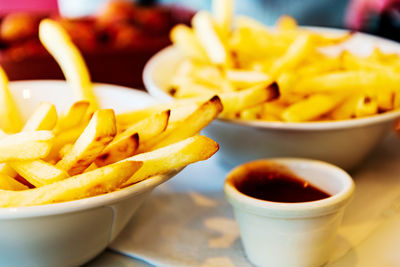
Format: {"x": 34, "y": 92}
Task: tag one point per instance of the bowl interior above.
{"x": 28, "y": 94}
{"x": 161, "y": 67}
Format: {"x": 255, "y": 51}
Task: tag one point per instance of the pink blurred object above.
{"x": 37, "y": 6}
{"x": 358, "y": 11}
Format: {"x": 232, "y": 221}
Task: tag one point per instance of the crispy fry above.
{"x": 348, "y": 81}
{"x": 173, "y": 157}
{"x": 126, "y": 143}
{"x": 63, "y": 138}
{"x": 190, "y": 126}
{"x": 295, "y": 53}
{"x": 245, "y": 78}
{"x": 286, "y": 23}
{"x": 74, "y": 117}
{"x": 223, "y": 16}
{"x": 38, "y": 172}
{"x": 57, "y": 41}
{"x": 311, "y": 108}
{"x": 10, "y": 117}
{"x": 204, "y": 28}
{"x": 9, "y": 183}
{"x": 366, "y": 106}
{"x": 96, "y": 136}
{"x": 43, "y": 118}
{"x": 235, "y": 101}
{"x": 35, "y": 145}
{"x": 99, "y": 181}
{"x": 184, "y": 38}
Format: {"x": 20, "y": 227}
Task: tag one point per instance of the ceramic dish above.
{"x": 70, "y": 233}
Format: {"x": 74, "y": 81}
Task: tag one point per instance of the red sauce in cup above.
{"x": 274, "y": 182}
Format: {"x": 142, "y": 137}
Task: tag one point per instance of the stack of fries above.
{"x": 226, "y": 54}
{"x": 87, "y": 150}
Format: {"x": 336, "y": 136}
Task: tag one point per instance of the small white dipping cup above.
{"x": 291, "y": 234}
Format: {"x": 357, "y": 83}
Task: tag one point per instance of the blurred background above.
{"x": 118, "y": 37}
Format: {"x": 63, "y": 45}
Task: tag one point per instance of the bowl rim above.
{"x": 153, "y": 89}
{"x": 293, "y": 210}
{"x": 89, "y": 202}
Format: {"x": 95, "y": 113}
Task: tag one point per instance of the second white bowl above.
{"x": 343, "y": 143}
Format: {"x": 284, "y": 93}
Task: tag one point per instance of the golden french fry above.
{"x": 223, "y": 15}
{"x": 25, "y": 145}
{"x": 366, "y": 106}
{"x": 311, "y": 108}
{"x": 295, "y": 53}
{"x": 348, "y": 81}
{"x": 74, "y": 117}
{"x": 179, "y": 109}
{"x": 353, "y": 62}
{"x": 7, "y": 170}
{"x": 346, "y": 109}
{"x": 123, "y": 148}
{"x": 126, "y": 143}
{"x": 57, "y": 41}
{"x": 190, "y": 126}
{"x": 205, "y": 30}
{"x": 385, "y": 99}
{"x": 273, "y": 110}
{"x": 43, "y": 118}
{"x": 236, "y": 101}
{"x": 38, "y": 172}
{"x": 34, "y": 171}
{"x": 96, "y": 136}
{"x": 244, "y": 78}
{"x": 10, "y": 117}
{"x": 189, "y": 89}
{"x": 252, "y": 113}
{"x": 173, "y": 157}
{"x": 63, "y": 138}
{"x": 319, "y": 65}
{"x": 65, "y": 150}
{"x": 286, "y": 23}
{"x": 96, "y": 182}
{"x": 208, "y": 75}
{"x": 323, "y": 39}
{"x": 184, "y": 38}
{"x": 9, "y": 183}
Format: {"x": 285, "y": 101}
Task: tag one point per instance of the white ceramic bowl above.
{"x": 344, "y": 143}
{"x": 70, "y": 233}
{"x": 291, "y": 234}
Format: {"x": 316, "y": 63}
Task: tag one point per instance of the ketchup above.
{"x": 275, "y": 182}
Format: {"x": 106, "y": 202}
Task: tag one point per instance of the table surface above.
{"x": 380, "y": 248}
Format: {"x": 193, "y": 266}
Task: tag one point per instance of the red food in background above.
{"x": 116, "y": 43}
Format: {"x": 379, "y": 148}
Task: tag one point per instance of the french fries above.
{"x": 9, "y": 183}
{"x": 164, "y": 159}
{"x": 190, "y": 126}
{"x": 207, "y": 34}
{"x": 97, "y": 135}
{"x": 87, "y": 151}
{"x": 99, "y": 181}
{"x": 44, "y": 118}
{"x": 243, "y": 53}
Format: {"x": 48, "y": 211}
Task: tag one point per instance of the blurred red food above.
{"x": 116, "y": 42}
{"x": 19, "y": 26}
